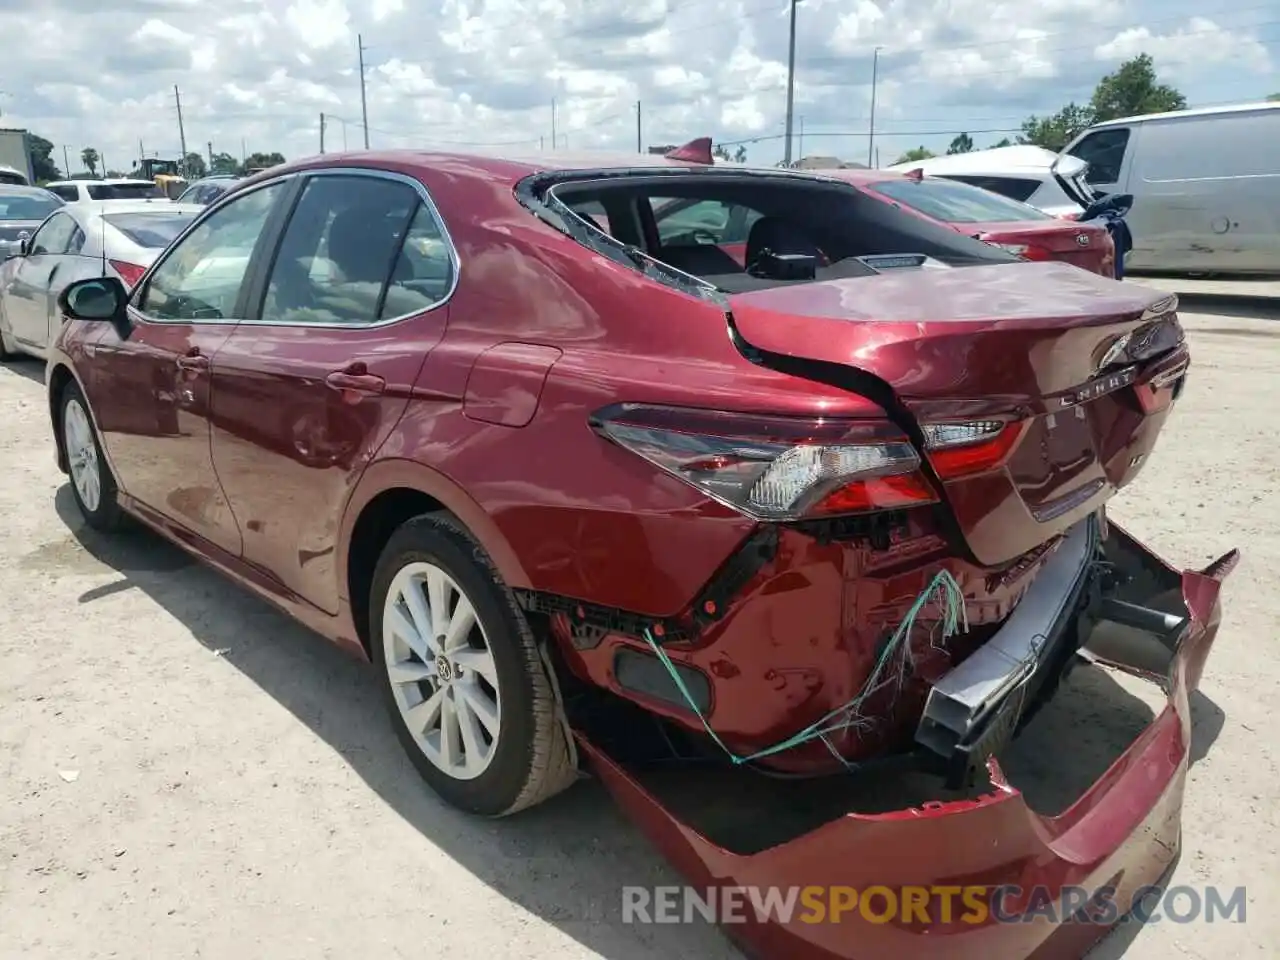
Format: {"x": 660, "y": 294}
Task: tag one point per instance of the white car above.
{"x": 1022, "y": 172}
{"x": 124, "y": 188}
{"x": 76, "y": 242}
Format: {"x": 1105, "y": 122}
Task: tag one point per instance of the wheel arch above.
{"x": 389, "y": 493}
{"x": 59, "y": 375}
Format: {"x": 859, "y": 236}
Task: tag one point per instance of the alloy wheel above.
{"x": 82, "y": 455}
{"x": 441, "y": 669}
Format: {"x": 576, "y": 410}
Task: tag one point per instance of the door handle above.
{"x": 355, "y": 381}
{"x": 193, "y": 360}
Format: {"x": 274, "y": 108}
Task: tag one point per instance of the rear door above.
{"x": 310, "y": 386}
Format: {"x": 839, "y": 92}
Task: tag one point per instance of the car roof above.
{"x": 111, "y": 181}
{"x": 1025, "y": 158}
{"x": 20, "y": 190}
{"x": 159, "y": 205}
{"x": 1187, "y": 114}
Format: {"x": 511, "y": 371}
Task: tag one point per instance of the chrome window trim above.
{"x": 425, "y": 196}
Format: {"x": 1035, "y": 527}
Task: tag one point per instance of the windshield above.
{"x": 123, "y": 191}
{"x": 954, "y": 202}
{"x": 154, "y": 230}
{"x": 27, "y": 207}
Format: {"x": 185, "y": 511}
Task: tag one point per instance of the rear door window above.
{"x": 68, "y": 193}
{"x": 55, "y": 236}
{"x": 358, "y": 250}
{"x": 952, "y": 202}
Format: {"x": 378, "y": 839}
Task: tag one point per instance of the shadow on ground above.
{"x": 544, "y": 859}
{"x": 28, "y": 367}
{"x": 1243, "y": 307}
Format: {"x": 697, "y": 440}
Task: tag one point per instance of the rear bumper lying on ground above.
{"x": 1121, "y": 835}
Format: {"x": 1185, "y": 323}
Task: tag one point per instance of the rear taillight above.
{"x": 130, "y": 273}
{"x": 1027, "y": 251}
{"x": 975, "y": 446}
{"x": 1068, "y": 216}
{"x": 775, "y": 468}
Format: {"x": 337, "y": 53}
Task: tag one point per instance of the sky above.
{"x": 483, "y": 75}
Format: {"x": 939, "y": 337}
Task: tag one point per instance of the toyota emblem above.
{"x": 1082, "y": 239}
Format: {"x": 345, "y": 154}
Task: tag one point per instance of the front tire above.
{"x": 92, "y": 485}
{"x": 462, "y": 674}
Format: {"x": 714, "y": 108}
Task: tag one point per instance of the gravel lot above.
{"x": 188, "y": 774}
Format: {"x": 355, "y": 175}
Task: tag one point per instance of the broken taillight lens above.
{"x": 969, "y": 447}
{"x": 775, "y": 468}
{"x": 1027, "y": 251}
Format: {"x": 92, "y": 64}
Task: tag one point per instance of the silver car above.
{"x": 22, "y": 209}
{"x": 80, "y": 240}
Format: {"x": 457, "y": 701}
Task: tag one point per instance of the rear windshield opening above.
{"x": 152, "y": 230}
{"x": 123, "y": 191}
{"x": 745, "y": 231}
{"x": 953, "y": 202}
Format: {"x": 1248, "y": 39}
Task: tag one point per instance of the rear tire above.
{"x": 92, "y": 484}
{"x": 462, "y": 673}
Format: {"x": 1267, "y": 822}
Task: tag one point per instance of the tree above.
{"x": 961, "y": 144}
{"x": 224, "y": 163}
{"x": 1056, "y": 131}
{"x": 720, "y": 152}
{"x": 42, "y": 165}
{"x": 193, "y": 165}
{"x": 919, "y": 153}
{"x": 740, "y": 155}
{"x": 89, "y": 157}
{"x": 1131, "y": 90}
{"x": 261, "y": 161}
{"x": 1004, "y": 142}
{"x": 1274, "y": 98}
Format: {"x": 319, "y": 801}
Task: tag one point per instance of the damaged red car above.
{"x": 746, "y": 538}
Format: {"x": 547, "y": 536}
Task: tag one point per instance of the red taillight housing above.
{"x": 1027, "y": 251}
{"x": 775, "y": 468}
{"x": 970, "y": 447}
{"x": 130, "y": 273}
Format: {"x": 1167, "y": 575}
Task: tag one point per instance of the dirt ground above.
{"x": 187, "y": 774}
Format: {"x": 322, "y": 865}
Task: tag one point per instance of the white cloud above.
{"x": 453, "y": 73}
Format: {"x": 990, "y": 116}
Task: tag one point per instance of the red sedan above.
{"x": 588, "y": 490}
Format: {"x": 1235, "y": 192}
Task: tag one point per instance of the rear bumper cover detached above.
{"x": 1121, "y": 835}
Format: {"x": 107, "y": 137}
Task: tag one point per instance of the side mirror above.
{"x": 24, "y": 243}
{"x": 95, "y": 300}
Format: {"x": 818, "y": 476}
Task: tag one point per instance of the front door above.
{"x": 150, "y": 390}
{"x": 29, "y": 297}
{"x": 308, "y": 388}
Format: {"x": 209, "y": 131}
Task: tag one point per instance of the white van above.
{"x": 1205, "y": 186}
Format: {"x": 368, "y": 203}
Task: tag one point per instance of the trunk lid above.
{"x": 1083, "y": 245}
{"x": 1025, "y": 342}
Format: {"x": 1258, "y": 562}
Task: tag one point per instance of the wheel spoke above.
{"x": 409, "y": 672}
{"x": 401, "y": 626}
{"x": 424, "y": 716}
{"x": 478, "y": 661}
{"x": 438, "y": 597}
{"x": 421, "y": 614}
{"x": 464, "y": 618}
{"x": 473, "y": 745}
{"x": 479, "y": 704}
{"x": 449, "y": 747}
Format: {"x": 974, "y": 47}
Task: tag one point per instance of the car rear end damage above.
{"x": 726, "y": 828}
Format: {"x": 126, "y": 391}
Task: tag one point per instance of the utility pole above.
{"x": 639, "y": 147}
{"x": 66, "y": 160}
{"x": 791, "y": 83}
{"x": 211, "y": 156}
{"x": 553, "y": 123}
{"x": 364, "y": 104}
{"x": 322, "y": 133}
{"x": 182, "y": 134}
{"x": 244, "y": 152}
{"x": 800, "y": 147}
{"x": 871, "y": 129}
